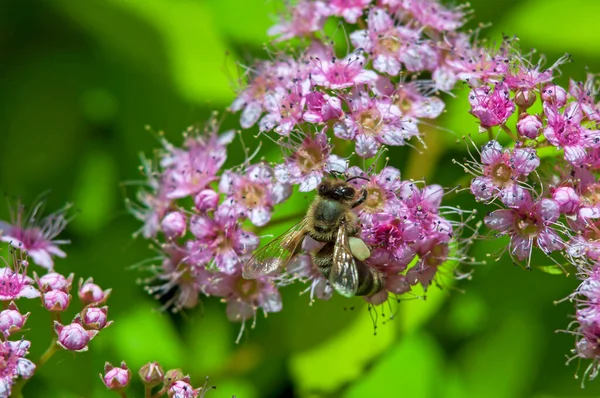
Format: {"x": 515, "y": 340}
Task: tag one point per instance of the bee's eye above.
{"x": 348, "y": 192}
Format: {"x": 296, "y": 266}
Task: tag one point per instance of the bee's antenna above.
{"x": 356, "y": 177}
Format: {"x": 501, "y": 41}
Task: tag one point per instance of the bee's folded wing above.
{"x": 344, "y": 274}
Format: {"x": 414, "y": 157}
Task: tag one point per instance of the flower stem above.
{"x": 52, "y": 349}
{"x": 147, "y": 392}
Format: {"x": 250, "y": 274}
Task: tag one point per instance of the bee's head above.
{"x": 336, "y": 190}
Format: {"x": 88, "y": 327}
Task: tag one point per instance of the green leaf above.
{"x": 340, "y": 358}
{"x": 145, "y": 335}
{"x": 415, "y": 362}
{"x": 94, "y": 191}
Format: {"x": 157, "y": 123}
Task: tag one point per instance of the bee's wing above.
{"x": 344, "y": 273}
{"x": 274, "y": 256}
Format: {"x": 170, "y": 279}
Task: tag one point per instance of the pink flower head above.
{"x": 554, "y": 95}
{"x": 174, "y": 225}
{"x": 11, "y": 320}
{"x": 267, "y": 79}
{"x": 74, "y": 337}
{"x": 54, "y": 281}
{"x": 95, "y": 318}
{"x": 284, "y": 110}
{"x": 309, "y": 162}
{"x": 36, "y": 236}
{"x": 245, "y": 296}
{"x": 430, "y": 13}
{"x": 56, "y": 300}
{"x": 206, "y": 200}
{"x": 350, "y": 10}
{"x": 503, "y": 170}
{"x": 395, "y": 236}
{"x": 382, "y": 190}
{"x": 491, "y": 109}
{"x": 254, "y": 192}
{"x": 336, "y": 73}
{"x": 189, "y": 170}
{"x": 584, "y": 93}
{"x": 220, "y": 239}
{"x": 15, "y": 284}
{"x": 529, "y": 224}
{"x": 91, "y": 293}
{"x": 14, "y": 364}
{"x": 322, "y": 107}
{"x": 392, "y": 45}
{"x": 566, "y": 132}
{"x": 306, "y": 17}
{"x": 183, "y": 389}
{"x": 372, "y": 122}
{"x": 116, "y": 378}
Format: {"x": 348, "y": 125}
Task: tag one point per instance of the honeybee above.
{"x": 330, "y": 220}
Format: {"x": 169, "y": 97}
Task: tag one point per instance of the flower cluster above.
{"x": 172, "y": 383}
{"x": 545, "y": 178}
{"x": 37, "y": 238}
{"x": 306, "y": 101}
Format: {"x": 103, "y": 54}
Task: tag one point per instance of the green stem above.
{"x": 147, "y": 392}
{"x": 123, "y": 394}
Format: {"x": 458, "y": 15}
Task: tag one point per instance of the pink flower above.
{"x": 254, "y": 193}
{"x": 431, "y": 13}
{"x": 373, "y": 122}
{"x": 309, "y": 162}
{"x": 491, "y": 109}
{"x": 221, "y": 240}
{"x": 36, "y": 236}
{"x": 189, "y": 170}
{"x": 285, "y": 111}
{"x": 394, "y": 236}
{"x": 91, "y": 293}
{"x": 206, "y": 200}
{"x": 116, "y": 378}
{"x": 16, "y": 284}
{"x": 11, "y": 320}
{"x": 336, "y": 73}
{"x": 303, "y": 268}
{"x": 529, "y": 224}
{"x": 529, "y": 126}
{"x": 503, "y": 170}
{"x": 306, "y": 17}
{"x": 350, "y": 10}
{"x": 321, "y": 107}
{"x": 74, "y": 337}
{"x": 382, "y": 191}
{"x": 14, "y": 364}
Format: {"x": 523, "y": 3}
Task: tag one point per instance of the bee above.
{"x": 329, "y": 220}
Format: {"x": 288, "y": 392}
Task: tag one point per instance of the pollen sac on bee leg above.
{"x": 359, "y": 248}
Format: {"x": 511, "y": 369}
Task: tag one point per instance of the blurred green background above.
{"x": 79, "y": 80}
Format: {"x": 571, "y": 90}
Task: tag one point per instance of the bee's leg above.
{"x": 361, "y": 200}
{"x": 323, "y": 259}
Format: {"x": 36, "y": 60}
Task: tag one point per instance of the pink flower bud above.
{"x": 56, "y": 300}
{"x": 116, "y": 378}
{"x": 183, "y": 389}
{"x": 11, "y": 320}
{"x": 54, "y": 281}
{"x": 206, "y": 200}
{"x": 525, "y": 98}
{"x": 95, "y": 318}
{"x": 90, "y": 293}
{"x": 151, "y": 374}
{"x": 174, "y": 225}
{"x": 529, "y": 126}
{"x": 174, "y": 375}
{"x": 555, "y": 95}
{"x": 567, "y": 199}
{"x": 397, "y": 284}
{"x": 74, "y": 337}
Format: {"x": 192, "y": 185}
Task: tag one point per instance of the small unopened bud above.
{"x": 54, "y": 281}
{"x": 11, "y": 320}
{"x": 173, "y": 375}
{"x": 116, "y": 378}
{"x": 555, "y": 95}
{"x": 174, "y": 225}
{"x": 74, "y": 337}
{"x": 56, "y": 300}
{"x": 206, "y": 200}
{"x": 567, "y": 199}
{"x": 529, "y": 126}
{"x": 524, "y": 98}
{"x": 152, "y": 374}
{"x": 90, "y": 293}
{"x": 95, "y": 318}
